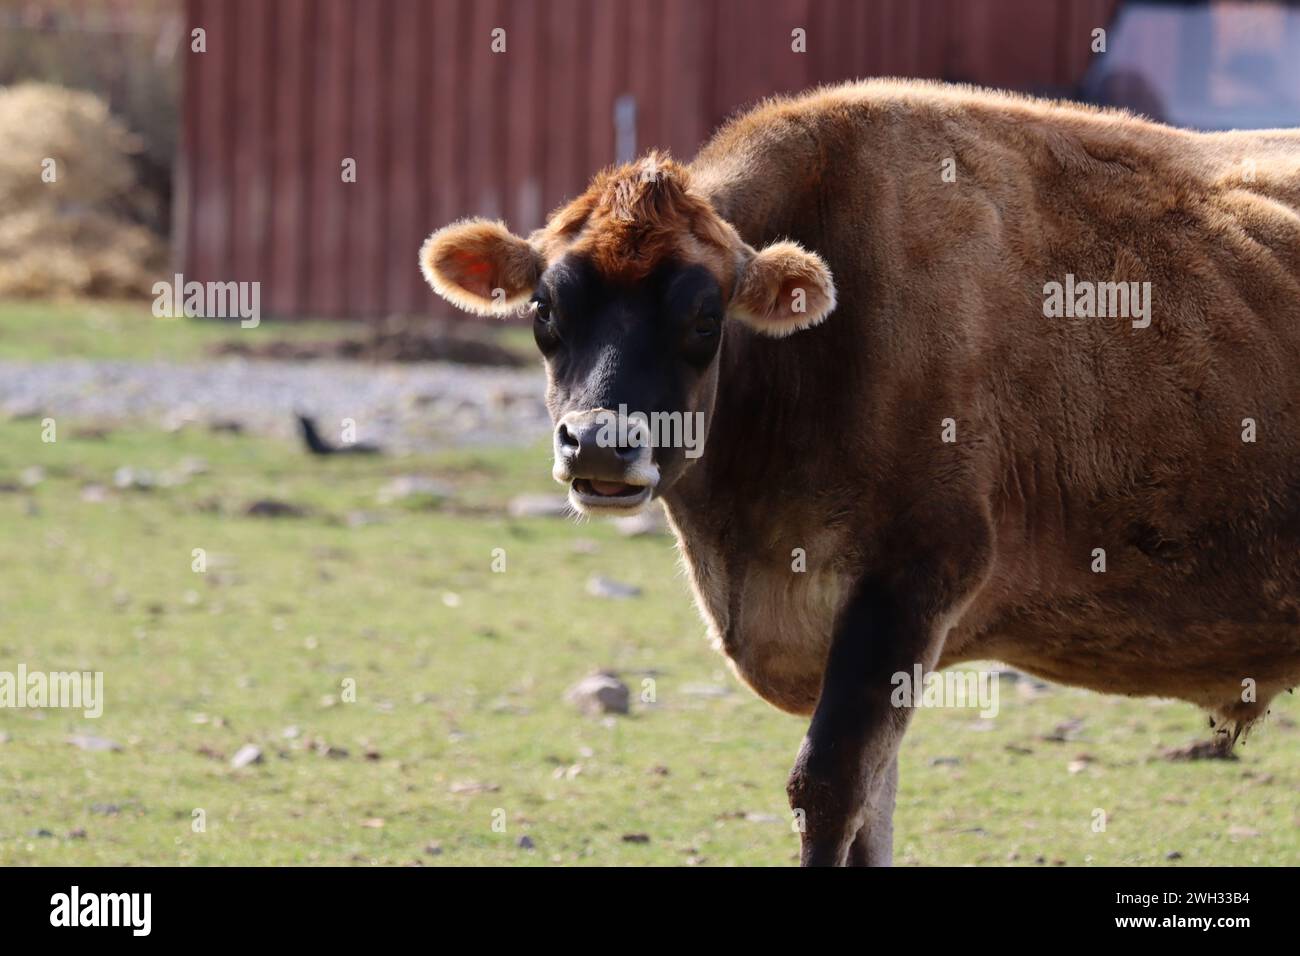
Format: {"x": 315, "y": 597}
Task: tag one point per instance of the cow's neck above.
{"x": 781, "y": 403}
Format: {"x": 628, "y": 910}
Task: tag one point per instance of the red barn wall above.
{"x": 442, "y": 127}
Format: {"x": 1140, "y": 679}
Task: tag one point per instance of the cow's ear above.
{"x": 480, "y": 266}
{"x": 783, "y": 288}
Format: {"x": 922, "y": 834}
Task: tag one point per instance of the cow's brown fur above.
{"x": 633, "y": 217}
{"x": 1071, "y": 434}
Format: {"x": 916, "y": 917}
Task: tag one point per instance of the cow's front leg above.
{"x": 851, "y": 747}
{"x": 874, "y": 843}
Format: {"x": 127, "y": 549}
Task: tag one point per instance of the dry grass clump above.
{"x": 73, "y": 228}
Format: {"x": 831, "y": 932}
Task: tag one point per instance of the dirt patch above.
{"x": 1219, "y": 748}
{"x": 273, "y": 508}
{"x": 425, "y": 342}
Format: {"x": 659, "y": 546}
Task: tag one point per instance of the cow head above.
{"x": 631, "y": 289}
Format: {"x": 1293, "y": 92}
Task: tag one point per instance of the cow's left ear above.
{"x": 480, "y": 266}
{"x": 783, "y": 288}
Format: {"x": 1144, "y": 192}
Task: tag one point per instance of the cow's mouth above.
{"x": 593, "y": 495}
{"x": 606, "y": 489}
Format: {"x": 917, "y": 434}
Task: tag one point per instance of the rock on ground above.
{"x": 601, "y": 693}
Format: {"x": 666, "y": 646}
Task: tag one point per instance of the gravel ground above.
{"x": 402, "y": 408}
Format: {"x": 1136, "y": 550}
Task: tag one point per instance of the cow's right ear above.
{"x": 480, "y": 266}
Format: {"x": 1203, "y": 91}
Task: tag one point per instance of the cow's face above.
{"x": 631, "y": 290}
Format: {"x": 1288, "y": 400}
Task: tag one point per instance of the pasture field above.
{"x": 126, "y": 330}
{"x": 459, "y": 673}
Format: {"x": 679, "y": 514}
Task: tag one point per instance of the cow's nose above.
{"x": 591, "y": 445}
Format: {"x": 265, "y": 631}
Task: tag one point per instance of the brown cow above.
{"x": 974, "y": 454}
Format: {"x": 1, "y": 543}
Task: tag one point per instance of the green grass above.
{"x": 129, "y": 330}
{"x": 461, "y": 697}
{"x": 459, "y": 675}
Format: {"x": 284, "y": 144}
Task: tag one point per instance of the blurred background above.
{"x": 342, "y": 611}
{"x": 234, "y": 153}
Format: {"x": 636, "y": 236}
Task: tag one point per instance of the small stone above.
{"x": 246, "y": 756}
{"x": 472, "y": 787}
{"x": 600, "y": 693}
{"x": 603, "y": 587}
{"x": 93, "y": 743}
{"x": 133, "y": 478}
{"x": 1173, "y": 855}
{"x": 650, "y": 520}
{"x": 177, "y": 418}
{"x": 32, "y": 476}
{"x": 525, "y": 842}
{"x": 414, "y": 489}
{"x": 539, "y": 506}
{"x": 636, "y": 838}
{"x": 94, "y": 494}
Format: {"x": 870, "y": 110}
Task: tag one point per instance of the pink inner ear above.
{"x": 784, "y": 306}
{"x": 472, "y": 273}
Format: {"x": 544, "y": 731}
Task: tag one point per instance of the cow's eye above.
{"x": 545, "y": 333}
{"x": 706, "y": 326}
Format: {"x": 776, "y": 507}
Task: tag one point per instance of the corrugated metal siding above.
{"x": 441, "y": 127}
